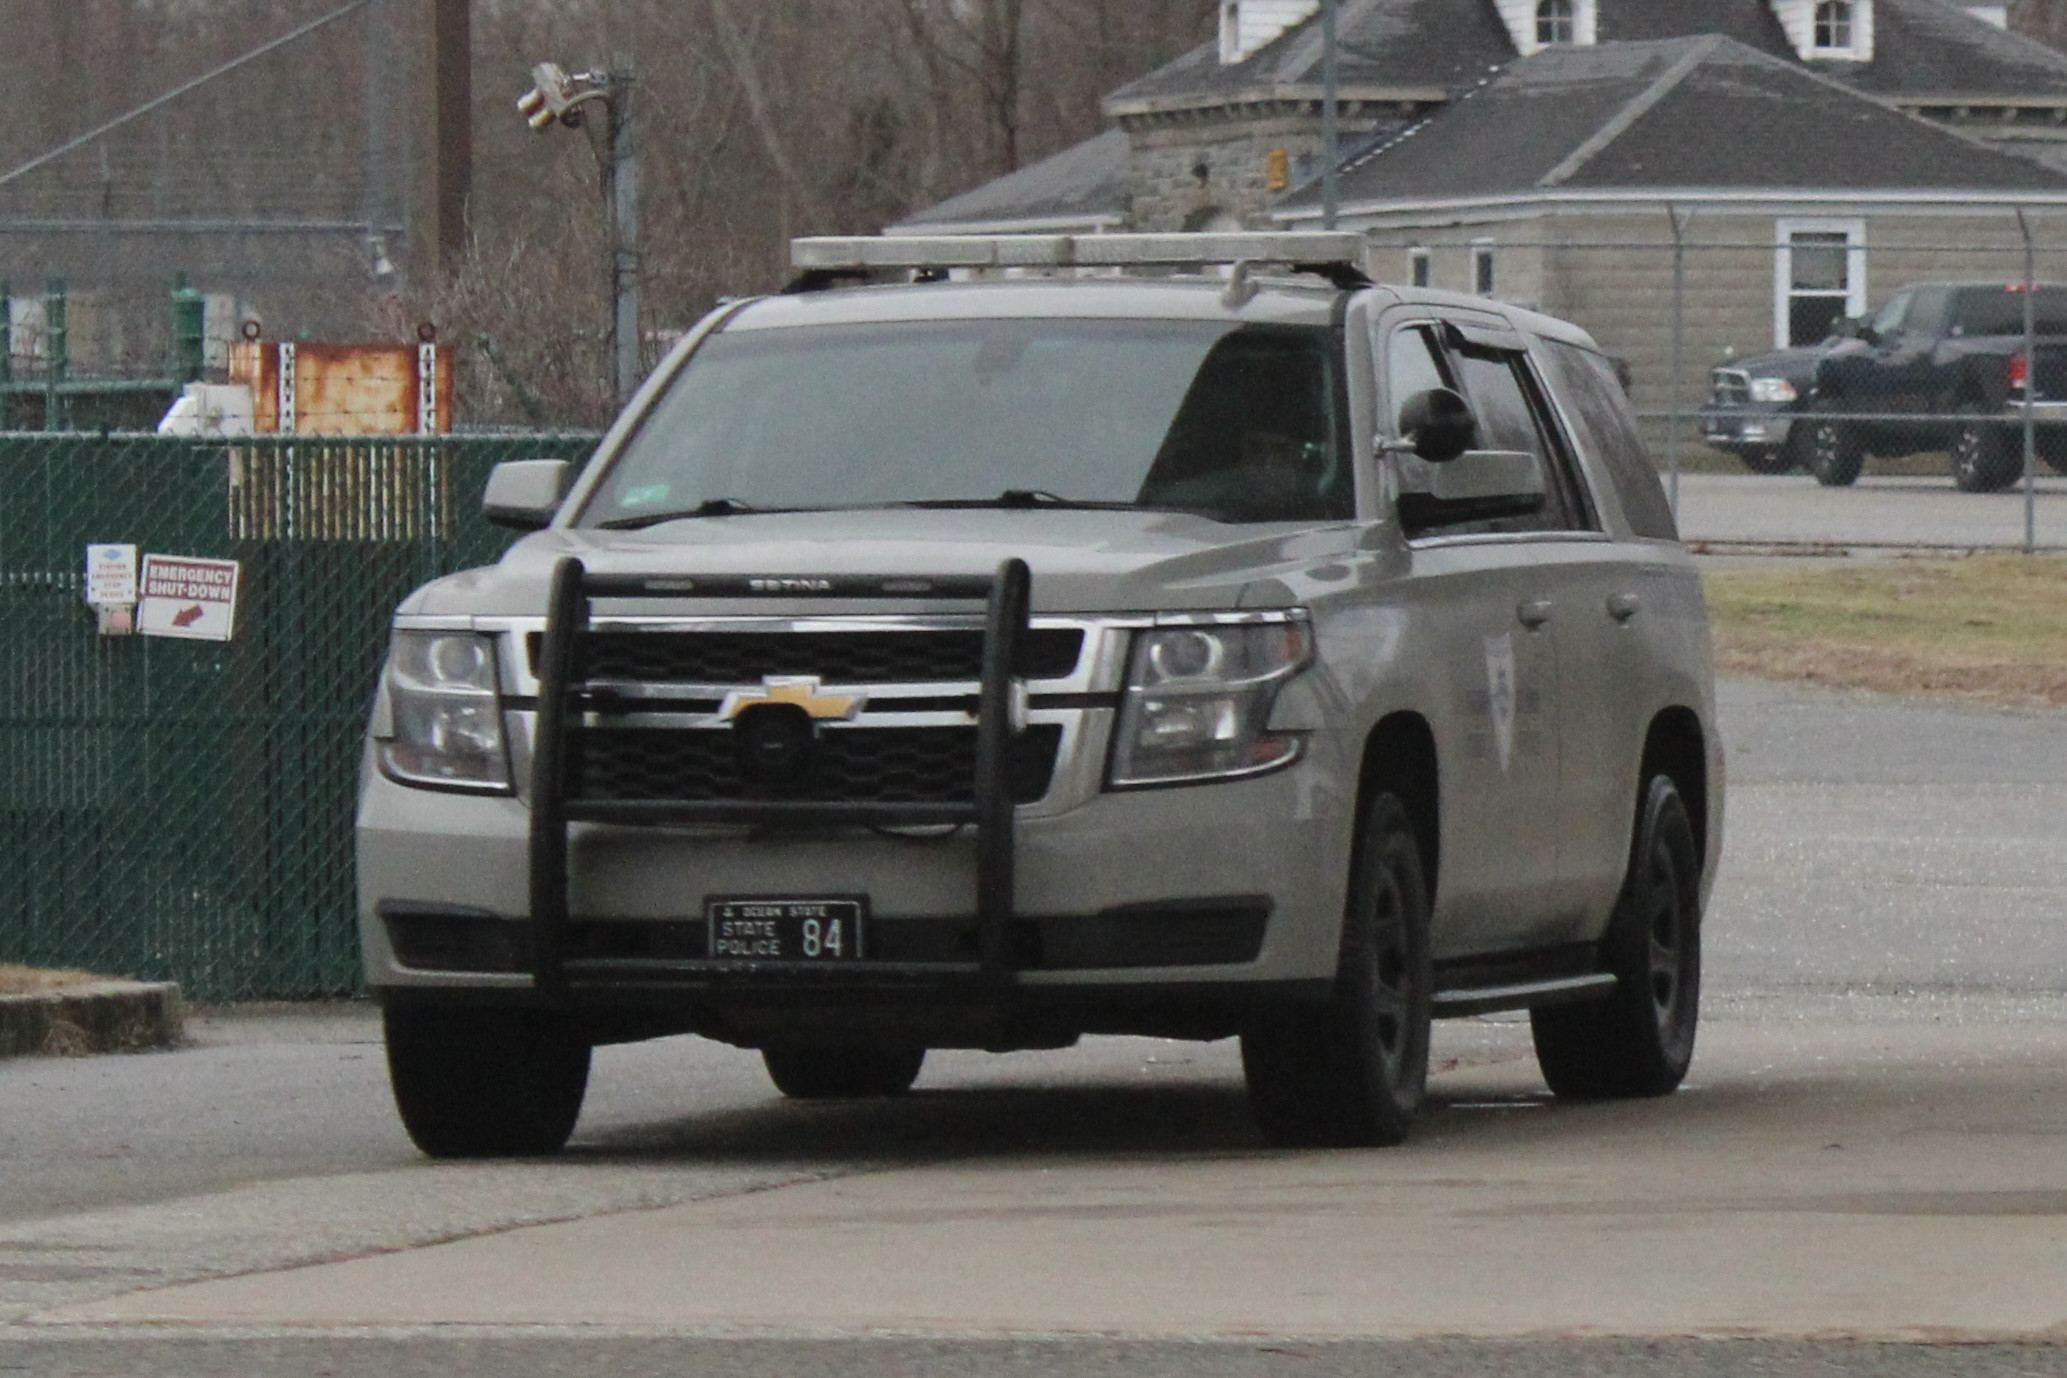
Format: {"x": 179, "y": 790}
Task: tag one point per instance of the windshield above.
{"x": 1239, "y": 423}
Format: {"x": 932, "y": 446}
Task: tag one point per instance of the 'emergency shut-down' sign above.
{"x": 188, "y": 596}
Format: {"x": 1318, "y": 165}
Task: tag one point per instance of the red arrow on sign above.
{"x": 187, "y": 617}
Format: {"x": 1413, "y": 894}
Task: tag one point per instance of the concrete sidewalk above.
{"x": 1821, "y": 1178}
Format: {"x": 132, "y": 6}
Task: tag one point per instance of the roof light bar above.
{"x": 1075, "y": 251}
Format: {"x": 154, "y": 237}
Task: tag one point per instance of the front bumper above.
{"x": 1123, "y": 874}
{"x": 1736, "y": 429}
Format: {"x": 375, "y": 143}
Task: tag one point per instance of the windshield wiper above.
{"x": 710, "y": 507}
{"x": 1025, "y": 498}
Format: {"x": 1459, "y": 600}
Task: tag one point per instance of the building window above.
{"x": 1482, "y": 276}
{"x": 1834, "y": 26}
{"x": 1819, "y": 277}
{"x": 1420, "y": 269}
{"x": 1554, "y": 22}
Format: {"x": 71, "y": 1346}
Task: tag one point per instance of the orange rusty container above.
{"x": 305, "y": 388}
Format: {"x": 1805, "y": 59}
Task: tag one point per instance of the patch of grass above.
{"x": 1988, "y": 628}
{"x": 34, "y": 980}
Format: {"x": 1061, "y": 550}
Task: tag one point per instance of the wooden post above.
{"x": 452, "y": 126}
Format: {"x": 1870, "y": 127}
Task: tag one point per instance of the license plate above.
{"x": 786, "y": 930}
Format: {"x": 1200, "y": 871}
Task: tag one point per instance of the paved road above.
{"x": 1871, "y": 1147}
{"x": 1792, "y": 510}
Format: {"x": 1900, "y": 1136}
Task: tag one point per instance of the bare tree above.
{"x": 761, "y": 119}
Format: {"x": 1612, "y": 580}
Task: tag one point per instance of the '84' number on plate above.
{"x": 825, "y": 938}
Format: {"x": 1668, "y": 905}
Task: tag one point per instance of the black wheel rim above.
{"x": 1823, "y": 448}
{"x": 1966, "y": 453}
{"x": 1391, "y": 970}
{"x": 1665, "y": 930}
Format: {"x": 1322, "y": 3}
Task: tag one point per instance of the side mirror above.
{"x": 523, "y": 494}
{"x": 1489, "y": 475}
{"x": 1438, "y": 424}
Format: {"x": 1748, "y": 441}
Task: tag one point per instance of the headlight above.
{"x": 1772, "y": 390}
{"x": 1199, "y": 698}
{"x": 442, "y": 693}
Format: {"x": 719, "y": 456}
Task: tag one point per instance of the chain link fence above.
{"x": 1883, "y": 347}
{"x": 182, "y": 810}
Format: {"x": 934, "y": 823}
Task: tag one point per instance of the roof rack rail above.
{"x": 1335, "y": 255}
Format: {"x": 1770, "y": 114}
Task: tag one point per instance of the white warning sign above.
{"x": 111, "y": 575}
{"x": 188, "y": 596}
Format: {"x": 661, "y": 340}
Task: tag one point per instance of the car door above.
{"x": 1615, "y": 597}
{"x": 1487, "y": 630}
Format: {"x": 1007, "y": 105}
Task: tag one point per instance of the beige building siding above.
{"x": 1613, "y": 275}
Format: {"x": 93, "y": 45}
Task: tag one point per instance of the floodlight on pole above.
{"x": 558, "y": 98}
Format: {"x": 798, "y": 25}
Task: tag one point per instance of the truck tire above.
{"x": 843, "y": 1072}
{"x": 1984, "y": 457}
{"x": 1639, "y": 1040}
{"x": 476, "y": 1083}
{"x": 1351, "y": 1072}
{"x": 1834, "y": 453}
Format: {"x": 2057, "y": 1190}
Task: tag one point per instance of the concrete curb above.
{"x": 104, "y": 1017}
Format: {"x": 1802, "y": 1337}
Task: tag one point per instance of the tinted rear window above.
{"x": 1606, "y": 428}
{"x": 1999, "y": 311}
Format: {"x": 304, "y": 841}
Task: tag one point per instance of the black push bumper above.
{"x": 562, "y": 969}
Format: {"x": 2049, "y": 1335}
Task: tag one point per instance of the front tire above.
{"x": 1834, "y": 453}
{"x": 1983, "y": 458}
{"x": 1638, "y": 1041}
{"x": 842, "y": 1073}
{"x": 476, "y": 1083}
{"x": 1352, "y": 1072}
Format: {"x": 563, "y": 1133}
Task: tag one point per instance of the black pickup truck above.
{"x": 1942, "y": 366}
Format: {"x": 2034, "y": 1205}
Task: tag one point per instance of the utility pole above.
{"x": 557, "y": 98}
{"x": 452, "y": 127}
{"x": 1331, "y": 101}
{"x": 623, "y": 192}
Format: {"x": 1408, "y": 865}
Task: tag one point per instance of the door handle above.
{"x": 1533, "y": 612}
{"x": 1623, "y": 606}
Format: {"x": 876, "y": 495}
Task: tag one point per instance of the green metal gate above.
{"x": 182, "y": 810}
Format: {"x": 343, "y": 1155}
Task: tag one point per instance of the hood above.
{"x": 1082, "y": 561}
{"x": 1797, "y": 365}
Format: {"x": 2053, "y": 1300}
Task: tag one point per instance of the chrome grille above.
{"x": 875, "y": 765}
{"x": 859, "y": 657}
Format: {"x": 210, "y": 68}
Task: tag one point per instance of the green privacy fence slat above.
{"x": 182, "y": 810}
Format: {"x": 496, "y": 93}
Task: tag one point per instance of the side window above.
{"x": 1511, "y": 416}
{"x": 1927, "y": 312}
{"x": 1889, "y": 319}
{"x": 1606, "y": 428}
{"x": 1412, "y": 364}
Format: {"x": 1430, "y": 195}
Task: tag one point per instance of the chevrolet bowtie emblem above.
{"x": 796, "y": 691}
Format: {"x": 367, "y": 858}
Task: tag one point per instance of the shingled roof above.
{"x": 1390, "y": 46}
{"x": 1412, "y": 49}
{"x": 1689, "y": 113}
{"x": 1085, "y": 185}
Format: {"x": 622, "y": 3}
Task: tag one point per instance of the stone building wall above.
{"x": 1189, "y": 170}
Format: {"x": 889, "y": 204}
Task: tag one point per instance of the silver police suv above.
{"x": 989, "y": 642}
